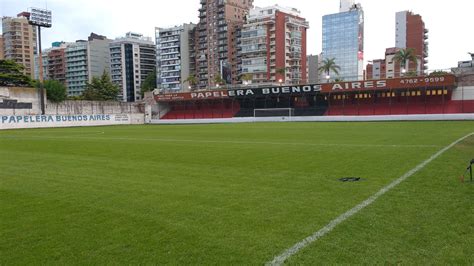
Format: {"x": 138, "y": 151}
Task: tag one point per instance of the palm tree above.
{"x": 192, "y": 81}
{"x": 404, "y": 56}
{"x": 328, "y": 65}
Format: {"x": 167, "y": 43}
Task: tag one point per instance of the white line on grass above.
{"x": 229, "y": 141}
{"x": 280, "y": 259}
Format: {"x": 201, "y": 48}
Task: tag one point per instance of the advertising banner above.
{"x": 295, "y": 90}
{"x": 50, "y": 121}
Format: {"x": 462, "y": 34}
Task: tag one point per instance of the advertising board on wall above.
{"x": 366, "y": 85}
{"x": 46, "y": 121}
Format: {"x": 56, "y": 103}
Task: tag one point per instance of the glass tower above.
{"x": 343, "y": 40}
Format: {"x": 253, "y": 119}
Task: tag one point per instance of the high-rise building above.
{"x": 412, "y": 33}
{"x": 175, "y": 57}
{"x": 57, "y": 62}
{"x": 218, "y": 35}
{"x": 343, "y": 40}
{"x": 274, "y": 38}
{"x": 19, "y": 39}
{"x": 85, "y": 60}
{"x": 54, "y": 63}
{"x": 346, "y": 5}
{"x": 132, "y": 60}
{"x": 44, "y": 56}
{"x": 2, "y": 52}
{"x": 313, "y": 69}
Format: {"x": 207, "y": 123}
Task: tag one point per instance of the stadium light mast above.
{"x": 40, "y": 18}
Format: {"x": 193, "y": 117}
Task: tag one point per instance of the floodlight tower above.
{"x": 40, "y": 18}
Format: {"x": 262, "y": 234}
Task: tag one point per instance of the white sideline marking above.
{"x": 280, "y": 259}
{"x": 228, "y": 141}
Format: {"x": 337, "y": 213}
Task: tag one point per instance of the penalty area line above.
{"x": 281, "y": 258}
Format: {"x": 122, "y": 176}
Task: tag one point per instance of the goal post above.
{"x": 274, "y": 112}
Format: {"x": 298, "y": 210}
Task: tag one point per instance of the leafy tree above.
{"x": 11, "y": 74}
{"x": 218, "y": 80}
{"x": 149, "y": 83}
{"x": 411, "y": 74}
{"x": 76, "y": 98}
{"x": 55, "y": 90}
{"x": 281, "y": 71}
{"x": 101, "y": 89}
{"x": 438, "y": 73}
{"x": 328, "y": 65}
{"x": 246, "y": 77}
{"x": 404, "y": 56}
{"x": 193, "y": 81}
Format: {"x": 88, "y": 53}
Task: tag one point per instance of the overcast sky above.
{"x": 450, "y": 22}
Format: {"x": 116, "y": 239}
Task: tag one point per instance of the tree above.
{"x": 193, "y": 81}
{"x": 101, "y": 89}
{"x": 219, "y": 80}
{"x": 246, "y": 78}
{"x": 149, "y": 84}
{"x": 411, "y": 74}
{"x": 11, "y": 74}
{"x": 404, "y": 56}
{"x": 329, "y": 64}
{"x": 281, "y": 71}
{"x": 76, "y": 98}
{"x": 55, "y": 90}
{"x": 438, "y": 73}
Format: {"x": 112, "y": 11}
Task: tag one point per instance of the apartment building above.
{"x": 132, "y": 60}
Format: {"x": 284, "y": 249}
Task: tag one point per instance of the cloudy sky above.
{"x": 450, "y": 22}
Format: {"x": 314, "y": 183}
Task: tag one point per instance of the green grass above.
{"x": 234, "y": 194}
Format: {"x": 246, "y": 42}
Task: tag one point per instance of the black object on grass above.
{"x": 350, "y": 179}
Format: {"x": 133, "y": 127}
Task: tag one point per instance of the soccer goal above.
{"x": 275, "y": 112}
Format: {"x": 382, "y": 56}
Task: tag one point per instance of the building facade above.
{"x": 412, "y": 33}
{"x": 132, "y": 60}
{"x": 343, "y": 40}
{"x": 19, "y": 39}
{"x": 57, "y": 63}
{"x": 44, "y": 56}
{"x": 273, "y": 46}
{"x": 2, "y": 52}
{"x": 313, "y": 68}
{"x": 465, "y": 74}
{"x": 54, "y": 63}
{"x": 175, "y": 57}
{"x": 217, "y": 40}
{"x": 85, "y": 60}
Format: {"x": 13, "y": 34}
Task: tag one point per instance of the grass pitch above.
{"x": 234, "y": 194}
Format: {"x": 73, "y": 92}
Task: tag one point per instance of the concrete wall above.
{"x": 20, "y": 95}
{"x": 20, "y": 108}
{"x": 88, "y": 107}
{"x": 52, "y": 121}
{"x": 463, "y": 93}
{"x": 445, "y": 117}
{"x": 31, "y": 96}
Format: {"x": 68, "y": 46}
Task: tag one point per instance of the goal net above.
{"x": 274, "y": 112}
